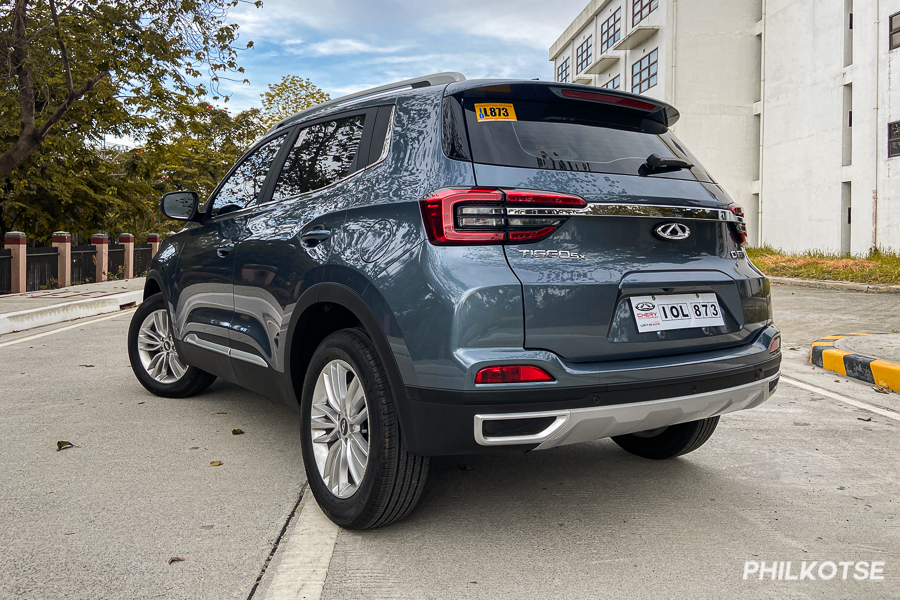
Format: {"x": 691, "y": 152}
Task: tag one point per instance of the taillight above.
{"x": 492, "y": 216}
{"x": 513, "y": 374}
{"x": 775, "y": 344}
{"x": 740, "y": 226}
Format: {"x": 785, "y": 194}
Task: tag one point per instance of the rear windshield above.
{"x": 569, "y": 136}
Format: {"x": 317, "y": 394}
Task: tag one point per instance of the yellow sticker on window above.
{"x": 495, "y": 112}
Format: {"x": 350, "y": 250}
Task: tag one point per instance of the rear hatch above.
{"x": 651, "y": 263}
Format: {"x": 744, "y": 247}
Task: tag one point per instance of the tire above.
{"x": 154, "y": 358}
{"x": 668, "y": 442}
{"x": 344, "y": 379}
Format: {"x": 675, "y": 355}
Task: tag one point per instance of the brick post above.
{"x": 62, "y": 241}
{"x": 127, "y": 240}
{"x": 153, "y": 240}
{"x": 15, "y": 241}
{"x": 101, "y": 244}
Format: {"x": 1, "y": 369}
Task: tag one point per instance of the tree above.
{"x": 289, "y": 96}
{"x": 134, "y": 58}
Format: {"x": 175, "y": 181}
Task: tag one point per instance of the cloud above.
{"x": 337, "y": 47}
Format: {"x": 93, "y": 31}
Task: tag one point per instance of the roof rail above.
{"x": 414, "y": 83}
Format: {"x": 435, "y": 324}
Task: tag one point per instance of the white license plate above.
{"x": 676, "y": 311}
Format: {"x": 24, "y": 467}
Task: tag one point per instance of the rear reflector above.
{"x": 469, "y": 216}
{"x": 513, "y": 374}
{"x": 609, "y": 99}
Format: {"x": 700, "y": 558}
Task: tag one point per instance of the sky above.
{"x": 344, "y": 46}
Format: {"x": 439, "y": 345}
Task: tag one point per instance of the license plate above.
{"x": 676, "y": 311}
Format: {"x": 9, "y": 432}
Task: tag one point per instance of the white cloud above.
{"x": 349, "y": 46}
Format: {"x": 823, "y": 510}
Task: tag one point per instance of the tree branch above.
{"x": 70, "y": 87}
{"x": 73, "y": 96}
{"x": 24, "y": 81}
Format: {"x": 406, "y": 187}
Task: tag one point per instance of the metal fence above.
{"x": 5, "y": 271}
{"x": 115, "y": 268}
{"x": 142, "y": 255}
{"x": 83, "y": 264}
{"x": 41, "y": 268}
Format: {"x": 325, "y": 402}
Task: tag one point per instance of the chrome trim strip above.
{"x": 248, "y": 357}
{"x": 631, "y": 210}
{"x": 193, "y": 340}
{"x": 585, "y": 424}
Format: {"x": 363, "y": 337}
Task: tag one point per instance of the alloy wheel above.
{"x": 340, "y": 428}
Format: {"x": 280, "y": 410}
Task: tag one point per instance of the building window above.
{"x": 893, "y": 139}
{"x": 614, "y": 83}
{"x": 895, "y": 31}
{"x": 562, "y": 71}
{"x": 643, "y": 73}
{"x": 584, "y": 54}
{"x": 611, "y": 31}
{"x": 641, "y": 9}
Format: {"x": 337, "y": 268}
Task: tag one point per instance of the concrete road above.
{"x": 805, "y": 477}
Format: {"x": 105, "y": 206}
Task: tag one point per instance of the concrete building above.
{"x": 792, "y": 105}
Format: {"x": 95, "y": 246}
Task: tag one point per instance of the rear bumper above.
{"x": 585, "y": 424}
{"x": 446, "y": 422}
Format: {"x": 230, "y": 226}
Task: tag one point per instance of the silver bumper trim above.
{"x": 584, "y": 424}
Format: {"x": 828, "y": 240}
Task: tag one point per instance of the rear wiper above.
{"x": 656, "y": 164}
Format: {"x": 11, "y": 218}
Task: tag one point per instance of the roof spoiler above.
{"x": 414, "y": 83}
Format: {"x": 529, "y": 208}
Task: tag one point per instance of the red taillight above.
{"x": 481, "y": 216}
{"x": 609, "y": 99}
{"x": 739, "y": 225}
{"x": 775, "y": 344}
{"x": 513, "y": 374}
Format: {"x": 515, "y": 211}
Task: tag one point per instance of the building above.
{"x": 791, "y": 104}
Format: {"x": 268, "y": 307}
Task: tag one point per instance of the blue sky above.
{"x": 347, "y": 45}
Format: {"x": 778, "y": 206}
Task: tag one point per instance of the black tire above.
{"x": 671, "y": 441}
{"x": 193, "y": 381}
{"x": 393, "y": 480}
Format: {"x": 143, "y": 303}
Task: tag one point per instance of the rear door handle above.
{"x": 223, "y": 250}
{"x": 314, "y": 236}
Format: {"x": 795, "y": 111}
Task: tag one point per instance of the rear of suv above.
{"x": 444, "y": 266}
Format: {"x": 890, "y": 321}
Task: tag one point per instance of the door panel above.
{"x": 283, "y": 247}
{"x": 204, "y": 278}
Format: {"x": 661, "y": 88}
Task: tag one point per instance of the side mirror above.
{"x": 181, "y": 206}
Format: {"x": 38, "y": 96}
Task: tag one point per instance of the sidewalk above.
{"x": 34, "y": 309}
{"x": 870, "y": 357}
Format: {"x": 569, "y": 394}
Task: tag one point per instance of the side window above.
{"x": 322, "y": 155}
{"x": 243, "y": 186}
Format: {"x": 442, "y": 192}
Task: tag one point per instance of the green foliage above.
{"x": 878, "y": 267}
{"x": 289, "y": 96}
{"x": 76, "y": 73}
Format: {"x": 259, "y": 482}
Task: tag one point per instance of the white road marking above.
{"x": 76, "y": 326}
{"x": 307, "y": 553}
{"x": 841, "y": 398}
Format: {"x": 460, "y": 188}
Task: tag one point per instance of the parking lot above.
{"x": 811, "y": 475}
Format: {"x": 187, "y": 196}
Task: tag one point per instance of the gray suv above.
{"x": 443, "y": 266}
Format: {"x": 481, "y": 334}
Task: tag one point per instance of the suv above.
{"x": 443, "y": 266}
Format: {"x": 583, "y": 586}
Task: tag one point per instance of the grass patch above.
{"x": 877, "y": 268}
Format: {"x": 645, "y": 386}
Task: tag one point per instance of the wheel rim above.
{"x": 339, "y": 423}
{"x": 157, "y": 348}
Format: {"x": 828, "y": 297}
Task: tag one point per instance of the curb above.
{"x": 869, "y": 288}
{"x": 57, "y": 313}
{"x": 857, "y": 366}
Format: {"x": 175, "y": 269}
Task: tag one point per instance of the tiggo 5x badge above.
{"x": 551, "y": 254}
{"x": 673, "y": 231}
